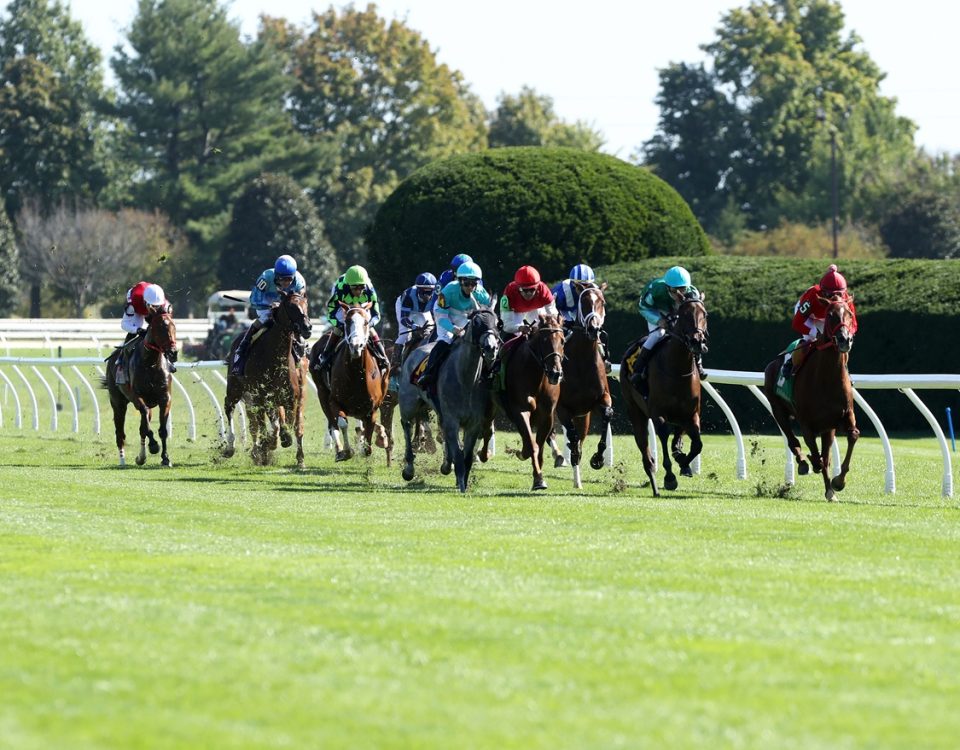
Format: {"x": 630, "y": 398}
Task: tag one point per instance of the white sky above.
{"x": 599, "y": 60}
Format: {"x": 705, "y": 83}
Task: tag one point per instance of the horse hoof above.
{"x": 830, "y": 495}
{"x": 166, "y": 464}
{"x": 596, "y": 461}
{"x": 803, "y": 468}
{"x": 838, "y": 483}
{"x": 301, "y": 465}
{"x": 286, "y": 440}
{"x": 686, "y": 471}
{"x": 558, "y": 461}
{"x": 141, "y": 460}
{"x": 483, "y": 456}
{"x": 344, "y": 455}
{"x": 228, "y": 452}
{"x": 445, "y": 468}
{"x": 539, "y": 485}
{"x": 154, "y": 447}
{"x": 670, "y": 482}
{"x": 407, "y": 474}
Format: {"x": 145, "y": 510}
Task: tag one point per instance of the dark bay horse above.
{"x": 674, "y": 395}
{"x": 584, "y": 388}
{"x": 353, "y": 386}
{"x": 274, "y": 383}
{"x": 822, "y": 398}
{"x": 534, "y": 370}
{"x": 148, "y": 386}
{"x": 463, "y": 396}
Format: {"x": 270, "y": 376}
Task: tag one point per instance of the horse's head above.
{"x": 356, "y": 327}
{"x": 691, "y": 325}
{"x": 546, "y": 343}
{"x": 484, "y": 333}
{"x": 591, "y": 307}
{"x": 837, "y": 323}
{"x": 291, "y": 314}
{"x": 162, "y": 334}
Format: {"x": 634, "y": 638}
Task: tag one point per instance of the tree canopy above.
{"x": 528, "y": 119}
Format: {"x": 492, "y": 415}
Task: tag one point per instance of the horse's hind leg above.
{"x": 164, "y": 413}
{"x": 286, "y": 439}
{"x": 558, "y": 459}
{"x": 119, "y": 417}
{"x": 696, "y": 446}
{"x": 826, "y": 440}
{"x": 663, "y": 432}
{"x": 230, "y": 401}
{"x": 641, "y": 435}
{"x": 782, "y": 417}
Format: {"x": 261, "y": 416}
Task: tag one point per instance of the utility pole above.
{"x": 833, "y": 187}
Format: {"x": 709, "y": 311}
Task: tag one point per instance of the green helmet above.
{"x": 356, "y": 275}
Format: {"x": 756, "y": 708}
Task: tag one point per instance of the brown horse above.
{"x": 274, "y": 383}
{"x": 674, "y": 397}
{"x": 822, "y": 398}
{"x": 534, "y": 370}
{"x": 585, "y": 388}
{"x": 353, "y": 386}
{"x": 148, "y": 385}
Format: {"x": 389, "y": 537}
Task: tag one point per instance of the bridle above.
{"x": 836, "y": 326}
{"x": 597, "y": 312}
{"x": 356, "y": 335}
{"x": 164, "y": 322}
{"x": 695, "y": 337}
{"x": 554, "y": 375}
{"x": 483, "y": 335}
{"x": 290, "y": 302}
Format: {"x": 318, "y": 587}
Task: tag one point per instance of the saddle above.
{"x": 418, "y": 371}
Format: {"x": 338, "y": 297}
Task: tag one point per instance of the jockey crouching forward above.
{"x": 454, "y": 303}
{"x": 524, "y": 300}
{"x": 414, "y": 308}
{"x": 283, "y": 278}
{"x": 353, "y": 289}
{"x": 143, "y": 301}
{"x": 450, "y": 274}
{"x": 566, "y": 294}
{"x": 659, "y": 302}
{"x": 810, "y": 312}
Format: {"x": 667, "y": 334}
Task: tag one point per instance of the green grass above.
{"x": 221, "y": 605}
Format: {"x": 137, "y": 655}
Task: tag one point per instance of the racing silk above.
{"x": 451, "y": 310}
{"x": 516, "y": 311}
{"x": 135, "y": 311}
{"x": 811, "y": 311}
{"x": 411, "y": 314}
{"x": 445, "y": 278}
{"x": 566, "y": 299}
{"x": 265, "y": 294}
{"x": 656, "y": 302}
{"x": 340, "y": 292}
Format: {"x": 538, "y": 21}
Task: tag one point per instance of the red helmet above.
{"x": 527, "y": 276}
{"x": 833, "y": 281}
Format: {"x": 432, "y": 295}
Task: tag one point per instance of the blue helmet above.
{"x": 426, "y": 280}
{"x": 677, "y": 277}
{"x": 458, "y": 260}
{"x": 582, "y": 272}
{"x": 285, "y": 266}
{"x": 469, "y": 270}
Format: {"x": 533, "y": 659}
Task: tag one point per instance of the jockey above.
{"x": 455, "y": 301}
{"x": 283, "y": 278}
{"x": 568, "y": 301}
{"x": 524, "y": 300}
{"x": 660, "y": 300}
{"x": 143, "y": 300}
{"x": 451, "y": 273}
{"x": 353, "y": 288}
{"x": 414, "y": 309}
{"x": 811, "y": 310}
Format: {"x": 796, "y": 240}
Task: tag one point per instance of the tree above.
{"x": 272, "y": 217}
{"x": 10, "y": 289}
{"x": 784, "y": 81}
{"x": 528, "y": 119}
{"x": 923, "y": 224}
{"x": 376, "y": 91}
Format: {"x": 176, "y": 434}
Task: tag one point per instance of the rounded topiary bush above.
{"x": 550, "y": 207}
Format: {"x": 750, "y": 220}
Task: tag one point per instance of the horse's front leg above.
{"x": 146, "y": 434}
{"x": 663, "y": 432}
{"x": 816, "y": 458}
{"x": 558, "y": 459}
{"x": 283, "y": 416}
{"x": 229, "y": 404}
{"x": 596, "y": 460}
{"x": 469, "y": 447}
{"x": 340, "y": 437}
{"x": 544, "y": 426}
{"x": 840, "y": 481}
{"x": 163, "y": 409}
{"x": 408, "y": 457}
{"x": 368, "y": 429}
{"x": 575, "y": 437}
{"x": 826, "y": 440}
{"x": 119, "y": 417}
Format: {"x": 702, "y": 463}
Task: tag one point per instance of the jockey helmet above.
{"x": 153, "y": 295}
{"x": 582, "y": 272}
{"x": 527, "y": 276}
{"x": 426, "y": 281}
{"x": 832, "y": 281}
{"x": 469, "y": 270}
{"x": 677, "y": 277}
{"x": 285, "y": 266}
{"x": 458, "y": 260}
{"x": 356, "y": 276}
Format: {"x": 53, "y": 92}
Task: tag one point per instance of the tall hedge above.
{"x": 551, "y": 207}
{"x": 10, "y": 283}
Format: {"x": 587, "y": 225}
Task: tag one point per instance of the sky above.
{"x": 599, "y": 60}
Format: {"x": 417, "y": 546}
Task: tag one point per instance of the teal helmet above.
{"x": 469, "y": 270}
{"x": 677, "y": 277}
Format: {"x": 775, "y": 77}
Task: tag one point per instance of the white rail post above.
{"x": 33, "y": 398}
{"x": 192, "y": 428}
{"x": 213, "y": 399}
{"x": 741, "y": 469}
{"x": 947, "y": 483}
{"x": 93, "y": 397}
{"x": 18, "y": 413}
{"x": 73, "y": 400}
{"x": 789, "y": 477}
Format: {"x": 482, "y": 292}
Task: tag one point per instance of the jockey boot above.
{"x": 639, "y": 376}
{"x": 240, "y": 356}
{"x": 429, "y": 376}
{"x": 700, "y": 371}
{"x": 380, "y": 354}
{"x": 787, "y": 369}
{"x": 326, "y": 356}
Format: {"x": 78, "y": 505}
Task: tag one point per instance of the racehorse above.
{"x": 534, "y": 370}
{"x": 423, "y": 438}
{"x": 584, "y": 388}
{"x": 148, "y": 385}
{"x": 463, "y": 396}
{"x": 674, "y": 391}
{"x": 822, "y": 398}
{"x": 353, "y": 385}
{"x": 274, "y": 383}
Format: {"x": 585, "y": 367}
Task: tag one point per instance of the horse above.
{"x": 532, "y": 376}
{"x": 674, "y": 392}
{"x": 353, "y": 385}
{"x": 274, "y": 383}
{"x": 423, "y": 438}
{"x": 463, "y": 396}
{"x": 148, "y": 385}
{"x": 822, "y": 398}
{"x": 584, "y": 388}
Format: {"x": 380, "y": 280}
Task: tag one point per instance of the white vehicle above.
{"x": 220, "y": 306}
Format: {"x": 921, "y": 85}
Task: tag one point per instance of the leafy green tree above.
{"x": 10, "y": 289}
{"x": 528, "y": 119}
{"x": 783, "y": 82}
{"x": 375, "y": 90}
{"x": 923, "y": 224}
{"x": 274, "y": 216}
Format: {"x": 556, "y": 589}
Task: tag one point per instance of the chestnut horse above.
{"x": 274, "y": 383}
{"x": 674, "y": 395}
{"x": 148, "y": 386}
{"x": 534, "y": 370}
{"x": 585, "y": 388}
{"x": 353, "y": 385}
{"x": 822, "y": 398}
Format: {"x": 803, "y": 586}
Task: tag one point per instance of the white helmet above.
{"x": 153, "y": 295}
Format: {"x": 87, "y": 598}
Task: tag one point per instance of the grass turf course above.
{"x": 221, "y": 605}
